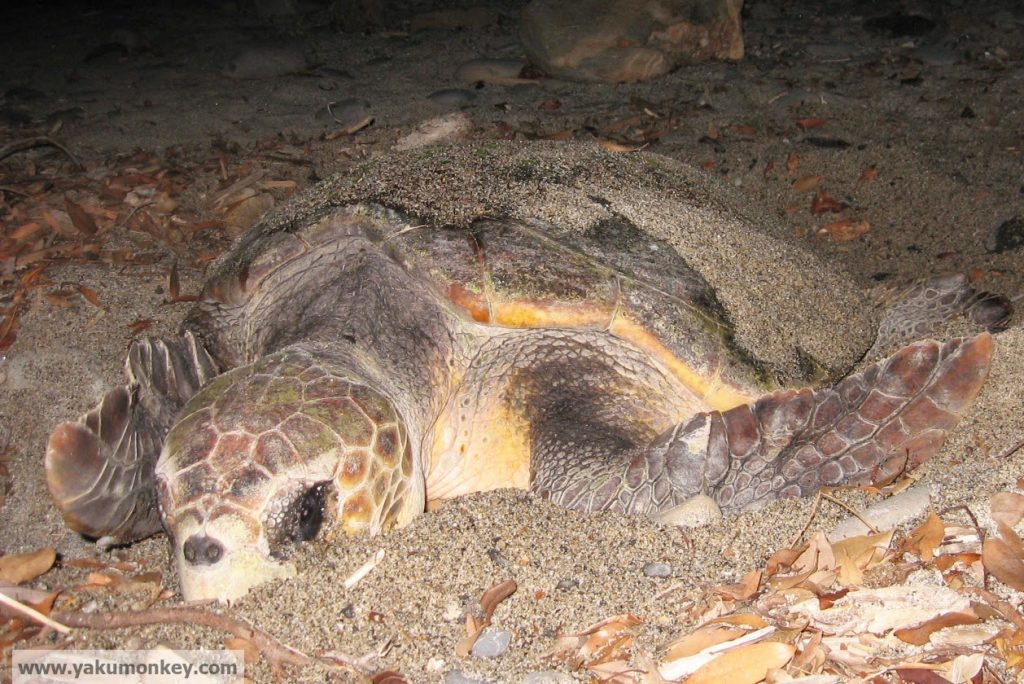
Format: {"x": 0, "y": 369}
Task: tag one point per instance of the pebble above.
{"x": 492, "y": 643}
{"x": 658, "y": 569}
{"x": 452, "y": 97}
{"x": 346, "y": 112}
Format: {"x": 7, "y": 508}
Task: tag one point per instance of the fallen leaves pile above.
{"x": 140, "y": 210}
{"x": 867, "y": 608}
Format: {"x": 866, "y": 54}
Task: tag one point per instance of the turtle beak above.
{"x": 223, "y": 560}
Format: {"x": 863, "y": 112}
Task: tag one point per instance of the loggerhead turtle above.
{"x": 348, "y": 364}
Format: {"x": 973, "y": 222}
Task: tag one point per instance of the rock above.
{"x": 492, "y": 643}
{"x": 619, "y": 41}
{"x": 452, "y": 97}
{"x": 351, "y": 114}
{"x": 495, "y": 71}
{"x": 447, "y": 128}
{"x": 1008, "y": 235}
{"x": 658, "y": 569}
{"x": 885, "y": 514}
{"x": 899, "y": 25}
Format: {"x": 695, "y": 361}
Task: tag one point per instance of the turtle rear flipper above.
{"x": 918, "y": 309}
{"x": 867, "y": 430}
{"x": 100, "y": 469}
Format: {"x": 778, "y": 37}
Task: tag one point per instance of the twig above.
{"x": 1011, "y": 451}
{"x": 36, "y": 141}
{"x": 822, "y": 494}
{"x": 31, "y": 612}
{"x": 277, "y": 653}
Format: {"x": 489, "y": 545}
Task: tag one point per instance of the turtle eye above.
{"x": 311, "y": 506}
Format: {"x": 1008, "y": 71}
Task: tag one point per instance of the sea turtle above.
{"x": 350, "y": 362}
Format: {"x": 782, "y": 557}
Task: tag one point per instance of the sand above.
{"x": 944, "y": 142}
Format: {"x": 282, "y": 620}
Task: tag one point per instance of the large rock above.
{"x": 628, "y": 40}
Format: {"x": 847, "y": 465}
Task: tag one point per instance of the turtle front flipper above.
{"x": 100, "y": 469}
{"x": 867, "y": 430}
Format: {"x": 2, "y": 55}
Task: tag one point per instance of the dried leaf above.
{"x": 80, "y": 218}
{"x": 869, "y": 174}
{"x": 744, "y": 130}
{"x": 1003, "y": 563}
{"x": 697, "y": 641}
{"x": 919, "y": 634}
{"x": 792, "y": 164}
{"x": 920, "y": 675}
{"x": 140, "y": 325}
{"x": 811, "y": 123}
{"x": 823, "y": 203}
{"x": 845, "y": 230}
{"x": 745, "y": 665}
{"x": 22, "y": 567}
{"x": 806, "y": 183}
{"x": 926, "y": 537}
{"x": 389, "y": 677}
{"x": 90, "y": 295}
{"x": 614, "y": 146}
{"x": 1007, "y": 508}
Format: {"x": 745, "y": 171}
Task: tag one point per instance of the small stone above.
{"x": 658, "y": 569}
{"x": 492, "y": 643}
{"x": 452, "y": 97}
{"x": 347, "y": 114}
{"x": 567, "y": 584}
{"x": 1008, "y": 235}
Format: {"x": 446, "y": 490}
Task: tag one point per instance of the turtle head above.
{"x": 267, "y": 456}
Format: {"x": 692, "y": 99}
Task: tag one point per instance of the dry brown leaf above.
{"x": 926, "y": 537}
{"x": 22, "y": 567}
{"x": 792, "y": 164}
{"x": 919, "y": 634}
{"x": 845, "y": 230}
{"x": 744, "y": 665}
{"x": 744, "y": 131}
{"x": 1003, "y": 563}
{"x": 90, "y": 295}
{"x": 823, "y": 203}
{"x": 24, "y": 231}
{"x": 80, "y": 218}
{"x": 1011, "y": 539}
{"x": 806, "y": 183}
{"x": 1007, "y": 508}
{"x": 858, "y": 554}
{"x": 869, "y": 174}
{"x": 815, "y": 122}
{"x": 489, "y": 600}
{"x": 612, "y": 146}
{"x": 742, "y": 590}
{"x": 920, "y": 675}
{"x": 706, "y": 636}
{"x": 140, "y": 325}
